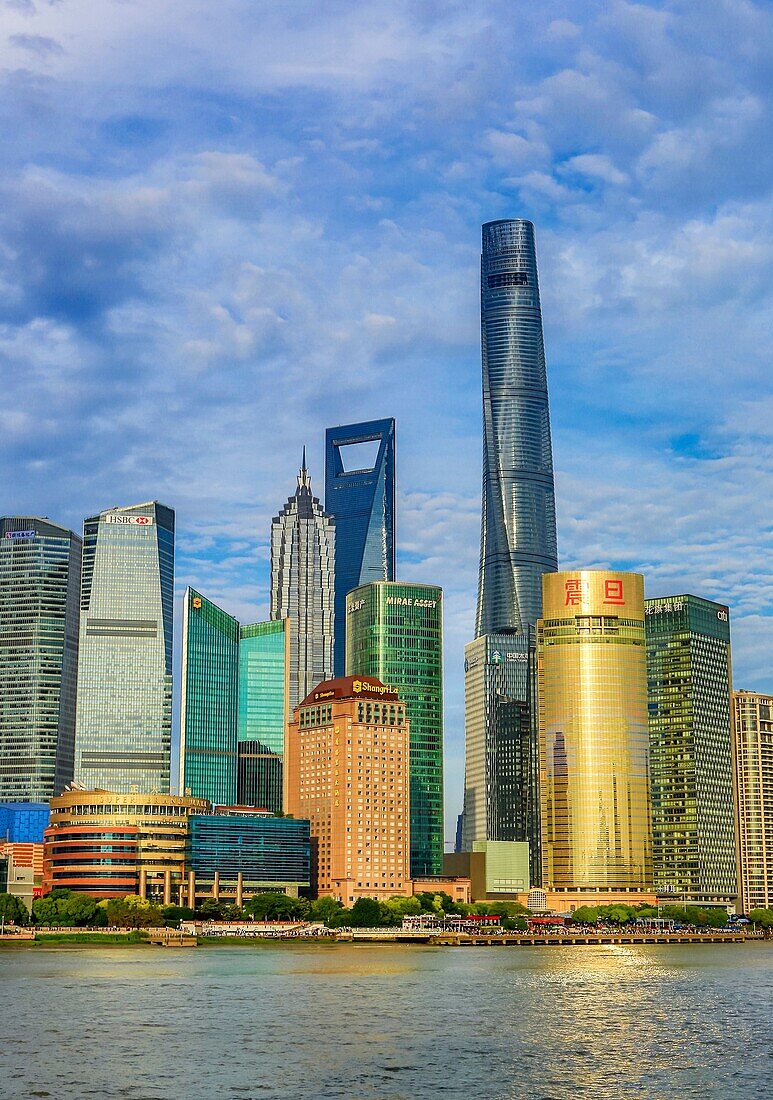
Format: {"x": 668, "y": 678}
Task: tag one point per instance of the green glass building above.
{"x": 691, "y": 752}
{"x": 264, "y": 695}
{"x": 394, "y": 632}
{"x": 209, "y": 701}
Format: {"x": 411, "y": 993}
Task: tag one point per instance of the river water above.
{"x": 376, "y": 1022}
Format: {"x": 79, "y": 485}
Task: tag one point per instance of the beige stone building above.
{"x": 347, "y": 771}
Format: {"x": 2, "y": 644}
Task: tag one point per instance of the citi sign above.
{"x": 121, "y": 517}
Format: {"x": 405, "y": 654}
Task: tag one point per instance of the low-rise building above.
{"x": 109, "y": 844}
{"x": 23, "y": 822}
{"x": 498, "y": 870}
{"x": 237, "y": 851}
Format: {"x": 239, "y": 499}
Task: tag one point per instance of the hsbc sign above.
{"x": 123, "y": 517}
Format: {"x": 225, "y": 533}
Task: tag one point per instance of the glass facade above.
{"x": 264, "y": 686}
{"x": 518, "y": 529}
{"x": 23, "y": 822}
{"x": 263, "y": 849}
{"x": 360, "y": 495}
{"x": 394, "y": 632}
{"x": 753, "y": 731}
{"x": 594, "y": 778}
{"x": 209, "y": 701}
{"x": 303, "y": 563}
{"x": 689, "y": 689}
{"x": 40, "y": 567}
{"x": 124, "y": 710}
{"x": 500, "y": 781}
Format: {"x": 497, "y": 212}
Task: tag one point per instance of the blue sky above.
{"x": 225, "y": 227}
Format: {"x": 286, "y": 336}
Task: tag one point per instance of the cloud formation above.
{"x": 225, "y": 227}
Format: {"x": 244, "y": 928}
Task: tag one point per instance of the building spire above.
{"x": 304, "y": 481}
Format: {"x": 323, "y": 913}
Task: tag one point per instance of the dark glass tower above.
{"x": 360, "y": 495}
{"x": 518, "y": 545}
{"x": 690, "y": 718}
{"x": 518, "y": 529}
{"x": 40, "y": 568}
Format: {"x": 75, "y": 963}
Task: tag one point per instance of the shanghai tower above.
{"x": 518, "y": 545}
{"x": 518, "y": 528}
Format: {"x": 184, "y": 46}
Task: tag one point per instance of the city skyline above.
{"x": 196, "y": 254}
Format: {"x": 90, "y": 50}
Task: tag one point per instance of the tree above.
{"x": 394, "y": 909}
{"x": 173, "y": 914}
{"x": 45, "y": 911}
{"x": 616, "y": 914}
{"x": 273, "y": 906}
{"x": 77, "y": 909}
{"x": 764, "y": 918}
{"x": 585, "y": 914}
{"x": 133, "y": 912}
{"x": 210, "y": 909}
{"x": 13, "y": 910}
{"x": 366, "y": 913}
{"x": 330, "y": 911}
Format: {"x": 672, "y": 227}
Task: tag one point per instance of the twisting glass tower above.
{"x": 518, "y": 545}
{"x": 518, "y": 529}
{"x": 302, "y": 585}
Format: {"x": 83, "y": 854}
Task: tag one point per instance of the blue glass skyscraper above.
{"x": 518, "y": 529}
{"x": 360, "y": 495}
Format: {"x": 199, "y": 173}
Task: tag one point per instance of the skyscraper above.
{"x": 208, "y": 701}
{"x": 518, "y": 545}
{"x": 518, "y": 529}
{"x": 753, "y": 729}
{"x": 360, "y": 495}
{"x": 346, "y": 770}
{"x": 303, "y": 569}
{"x": 264, "y": 694}
{"x": 594, "y": 776}
{"x": 691, "y": 751}
{"x": 124, "y": 716}
{"x": 40, "y": 567}
{"x": 500, "y": 779}
{"x": 394, "y": 632}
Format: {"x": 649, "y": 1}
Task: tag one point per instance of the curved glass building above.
{"x": 518, "y": 529}
{"x": 594, "y": 773}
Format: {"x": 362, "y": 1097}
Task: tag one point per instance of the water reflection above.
{"x": 388, "y": 1022}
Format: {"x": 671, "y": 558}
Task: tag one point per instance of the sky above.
{"x": 225, "y": 227}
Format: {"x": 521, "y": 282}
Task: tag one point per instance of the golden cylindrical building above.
{"x": 596, "y": 822}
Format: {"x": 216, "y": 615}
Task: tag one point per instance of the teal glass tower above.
{"x": 394, "y": 632}
{"x": 360, "y": 495}
{"x": 124, "y": 711}
{"x": 691, "y": 748}
{"x": 263, "y": 713}
{"x": 208, "y": 701}
{"x": 40, "y": 568}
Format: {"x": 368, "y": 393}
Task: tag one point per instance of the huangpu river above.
{"x": 303, "y": 1022}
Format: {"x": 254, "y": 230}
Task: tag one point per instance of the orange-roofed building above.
{"x": 347, "y": 770}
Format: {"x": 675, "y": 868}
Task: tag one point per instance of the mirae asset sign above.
{"x": 122, "y": 517}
